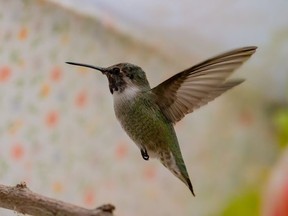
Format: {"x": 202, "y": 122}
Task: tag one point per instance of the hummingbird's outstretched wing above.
{"x": 190, "y": 89}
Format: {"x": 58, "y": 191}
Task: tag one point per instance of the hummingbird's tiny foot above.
{"x": 144, "y": 154}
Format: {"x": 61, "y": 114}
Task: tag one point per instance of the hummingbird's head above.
{"x": 122, "y": 76}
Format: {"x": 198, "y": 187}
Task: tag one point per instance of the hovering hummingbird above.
{"x": 148, "y": 115}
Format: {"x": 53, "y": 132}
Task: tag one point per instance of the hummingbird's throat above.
{"x": 116, "y": 83}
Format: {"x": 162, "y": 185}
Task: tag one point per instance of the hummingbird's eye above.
{"x": 115, "y": 71}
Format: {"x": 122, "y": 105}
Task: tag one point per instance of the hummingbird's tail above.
{"x": 184, "y": 177}
{"x": 177, "y": 166}
{"x": 189, "y": 184}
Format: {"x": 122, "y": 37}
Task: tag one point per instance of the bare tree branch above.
{"x": 21, "y": 199}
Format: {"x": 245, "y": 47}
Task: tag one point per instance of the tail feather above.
{"x": 189, "y": 184}
{"x": 177, "y": 166}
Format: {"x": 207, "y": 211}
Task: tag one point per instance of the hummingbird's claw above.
{"x": 144, "y": 154}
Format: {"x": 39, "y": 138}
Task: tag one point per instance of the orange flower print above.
{"x": 45, "y": 90}
{"x": 17, "y": 151}
{"x": 57, "y": 187}
{"x": 5, "y": 73}
{"x": 82, "y": 70}
{"x": 121, "y": 150}
{"x": 52, "y": 118}
{"x": 23, "y": 33}
{"x": 81, "y": 99}
{"x": 56, "y": 73}
{"x": 89, "y": 198}
{"x": 65, "y": 39}
{"x": 150, "y": 173}
{"x": 246, "y": 118}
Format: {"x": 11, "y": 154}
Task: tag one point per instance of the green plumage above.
{"x": 148, "y": 127}
{"x": 148, "y": 115}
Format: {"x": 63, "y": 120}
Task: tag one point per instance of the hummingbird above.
{"x": 148, "y": 114}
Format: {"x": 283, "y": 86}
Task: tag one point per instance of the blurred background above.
{"x": 58, "y": 132}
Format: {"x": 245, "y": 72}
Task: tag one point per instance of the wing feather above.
{"x": 194, "y": 87}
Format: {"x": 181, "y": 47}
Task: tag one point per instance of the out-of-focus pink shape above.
{"x": 276, "y": 196}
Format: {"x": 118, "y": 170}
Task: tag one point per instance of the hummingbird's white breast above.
{"x": 134, "y": 115}
{"x": 126, "y": 96}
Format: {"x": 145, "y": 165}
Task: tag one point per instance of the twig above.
{"x": 21, "y": 199}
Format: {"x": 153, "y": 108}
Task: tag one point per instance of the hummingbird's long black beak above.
{"x": 103, "y": 70}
